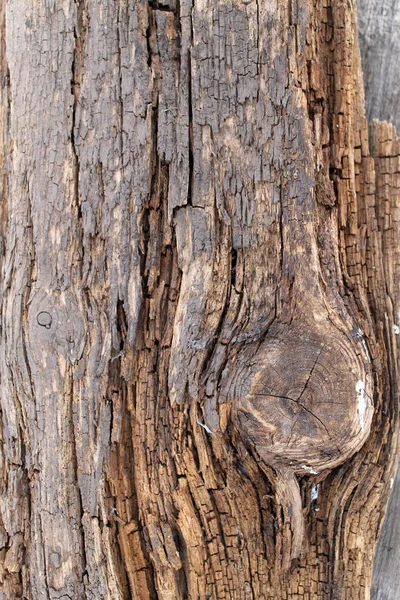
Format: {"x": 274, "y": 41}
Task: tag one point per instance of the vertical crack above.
{"x": 80, "y": 31}
{"x": 309, "y": 376}
{"x": 190, "y": 112}
{"x": 120, "y": 95}
{"x": 258, "y": 41}
{"x": 70, "y": 393}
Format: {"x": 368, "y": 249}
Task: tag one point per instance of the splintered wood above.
{"x": 200, "y": 270}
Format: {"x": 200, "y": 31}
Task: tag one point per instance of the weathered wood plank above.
{"x": 379, "y": 22}
{"x": 380, "y": 52}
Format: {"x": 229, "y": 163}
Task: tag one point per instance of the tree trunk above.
{"x": 200, "y": 296}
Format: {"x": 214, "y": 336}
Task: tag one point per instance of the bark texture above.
{"x": 200, "y": 299}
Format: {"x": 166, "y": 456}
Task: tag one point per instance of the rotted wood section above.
{"x": 200, "y": 302}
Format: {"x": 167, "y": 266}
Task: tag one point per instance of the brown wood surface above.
{"x": 200, "y": 301}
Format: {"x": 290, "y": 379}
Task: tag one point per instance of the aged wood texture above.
{"x": 386, "y": 151}
{"x": 379, "y": 22}
{"x": 198, "y": 347}
{"x": 385, "y": 579}
{"x": 380, "y": 53}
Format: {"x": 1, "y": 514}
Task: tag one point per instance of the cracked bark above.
{"x": 193, "y": 229}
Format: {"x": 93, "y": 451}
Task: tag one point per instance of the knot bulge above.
{"x": 305, "y": 399}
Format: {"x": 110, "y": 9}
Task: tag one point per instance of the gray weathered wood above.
{"x": 386, "y": 577}
{"x": 379, "y": 26}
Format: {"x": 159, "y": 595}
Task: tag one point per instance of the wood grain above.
{"x": 380, "y": 47}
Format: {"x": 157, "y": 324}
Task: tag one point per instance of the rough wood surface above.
{"x": 199, "y": 297}
{"x": 386, "y": 151}
{"x": 385, "y": 580}
{"x": 379, "y": 22}
{"x": 380, "y": 54}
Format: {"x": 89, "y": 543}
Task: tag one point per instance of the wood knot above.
{"x": 60, "y": 312}
{"x": 305, "y": 401}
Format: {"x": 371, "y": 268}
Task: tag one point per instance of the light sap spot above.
{"x": 314, "y": 492}
{"x": 204, "y": 426}
{"x": 309, "y": 469}
{"x": 362, "y": 402}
